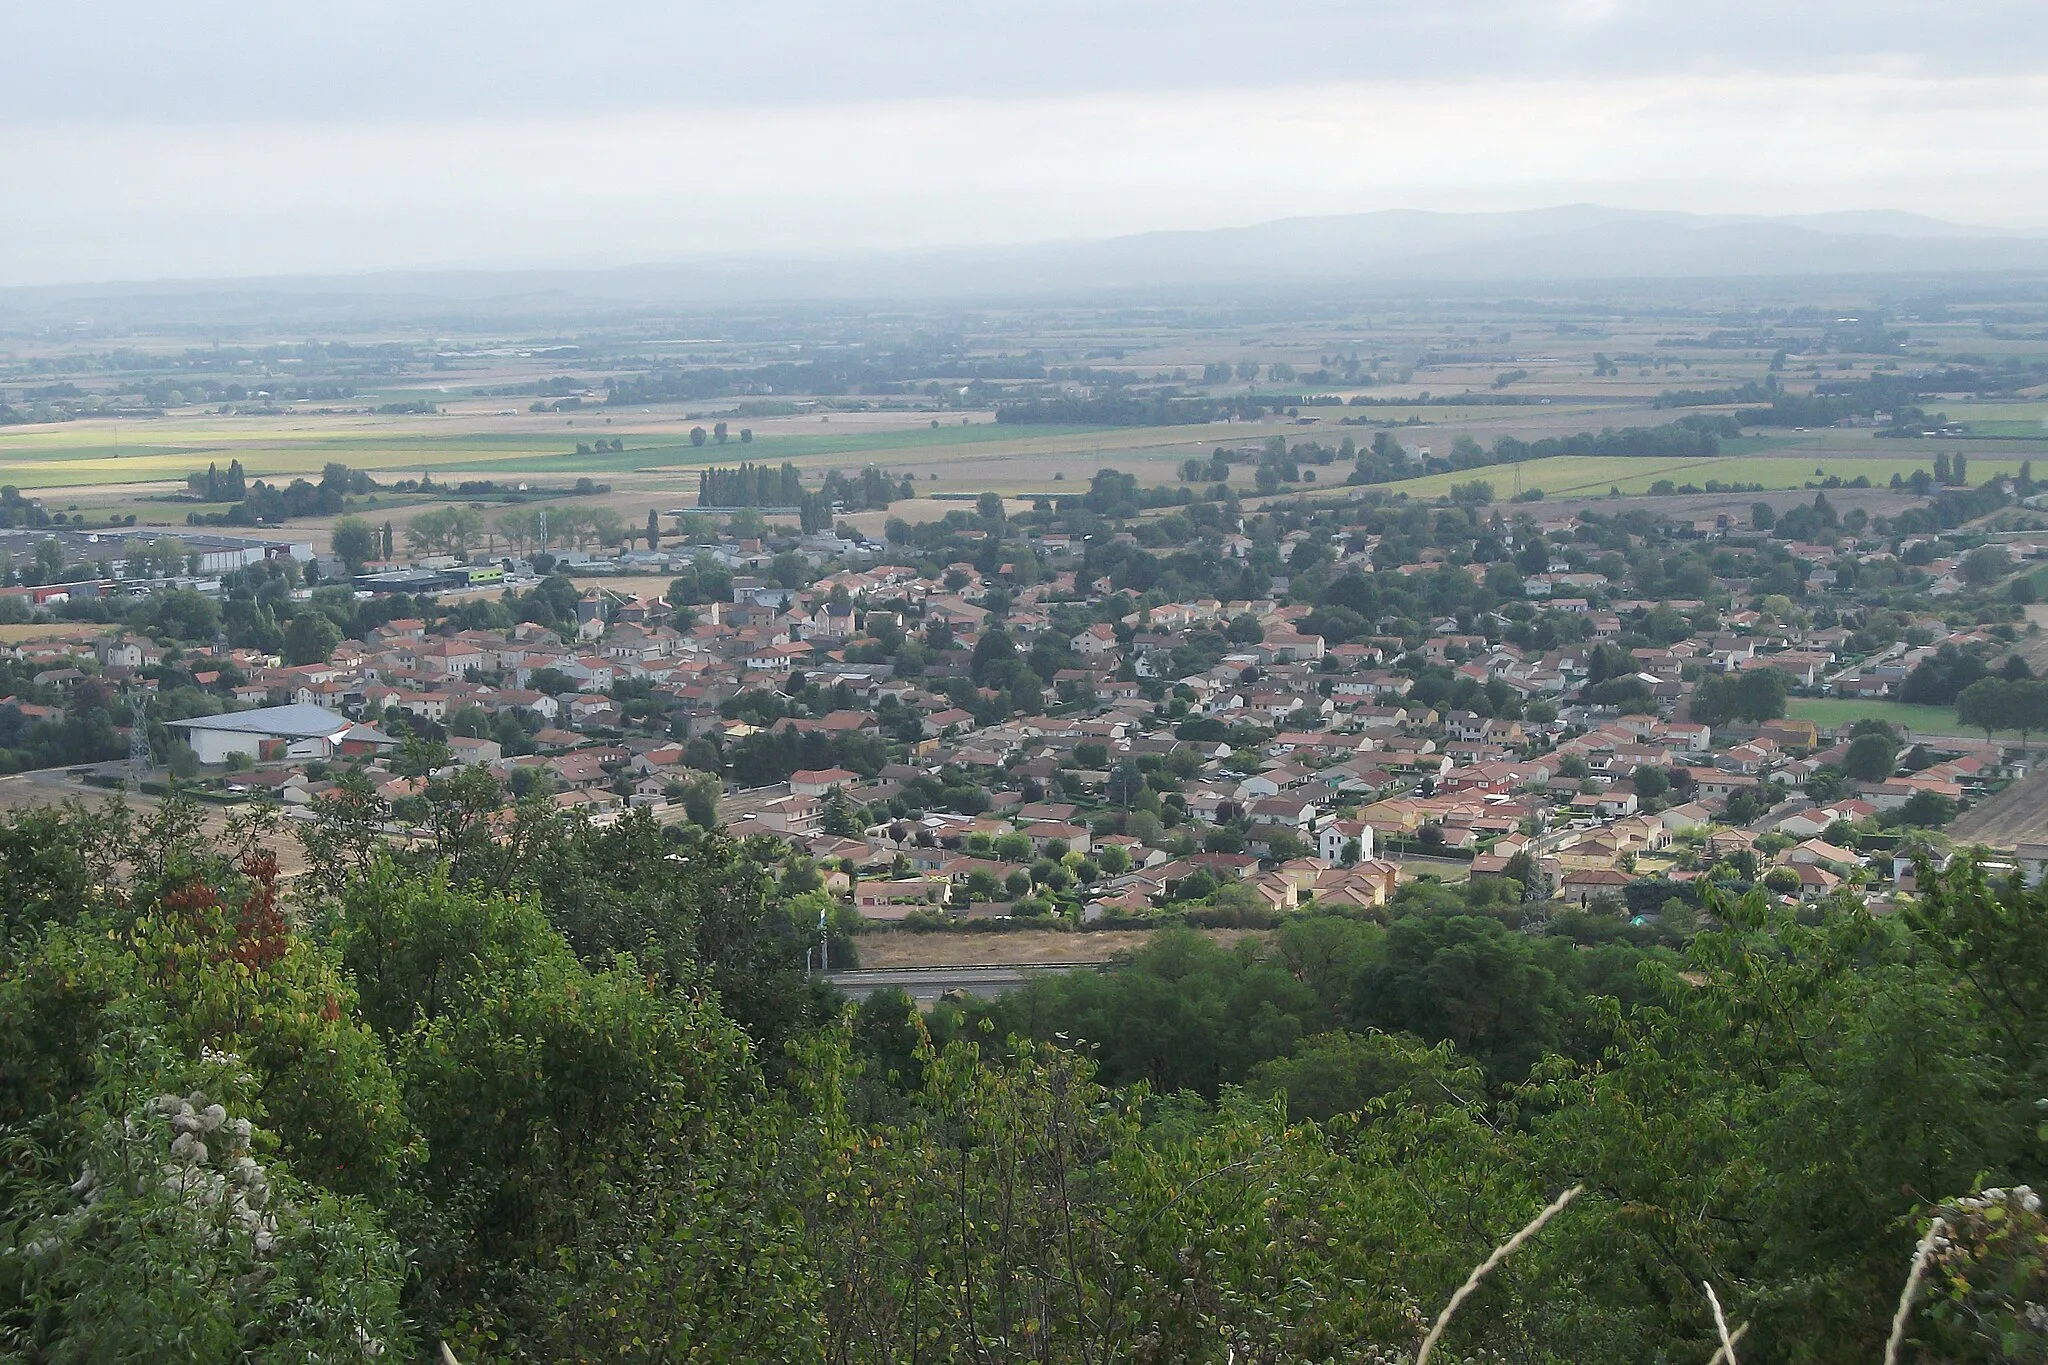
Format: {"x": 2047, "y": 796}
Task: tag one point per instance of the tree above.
{"x": 1985, "y": 564}
{"x": 1871, "y": 758}
{"x": 1245, "y": 630}
{"x": 697, "y": 436}
{"x": 1987, "y": 705}
{"x": 653, "y": 529}
{"x": 520, "y": 529}
{"x": 1468, "y": 981}
{"x": 700, "y": 799}
{"x": 355, "y": 543}
{"x": 1825, "y": 784}
{"x": 1340, "y": 1073}
{"x": 1939, "y": 680}
{"x": 310, "y": 638}
{"x": 1755, "y": 695}
{"x": 1927, "y": 810}
{"x": 2028, "y": 706}
{"x": 445, "y": 530}
{"x": 1746, "y": 806}
{"x": 606, "y": 526}
{"x": 417, "y": 757}
{"x": 1762, "y": 517}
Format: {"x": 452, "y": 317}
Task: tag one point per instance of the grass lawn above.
{"x": 1833, "y": 711}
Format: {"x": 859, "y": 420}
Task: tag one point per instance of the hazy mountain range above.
{"x": 1398, "y": 250}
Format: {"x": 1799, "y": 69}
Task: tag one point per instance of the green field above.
{"x": 1834, "y": 711}
{"x": 86, "y": 453}
{"x": 2033, "y": 429}
{"x": 855, "y": 447}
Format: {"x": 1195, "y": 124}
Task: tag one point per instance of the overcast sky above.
{"x": 145, "y": 140}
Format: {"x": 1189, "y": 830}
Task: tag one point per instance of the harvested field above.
{"x": 51, "y": 630}
{"x": 2020, "y": 812}
{"x": 1580, "y": 475}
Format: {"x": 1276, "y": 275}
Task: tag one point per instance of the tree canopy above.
{"x": 547, "y": 1091}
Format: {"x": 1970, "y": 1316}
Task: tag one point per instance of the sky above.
{"x": 227, "y": 138}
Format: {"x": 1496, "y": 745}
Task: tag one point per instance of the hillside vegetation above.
{"x": 544, "y": 1091}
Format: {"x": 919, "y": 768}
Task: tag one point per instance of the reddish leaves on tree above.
{"x": 260, "y": 933}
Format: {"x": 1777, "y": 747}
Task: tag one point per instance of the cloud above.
{"x": 235, "y": 139}
{"x": 355, "y": 60}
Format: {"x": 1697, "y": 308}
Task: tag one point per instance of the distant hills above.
{"x": 1394, "y": 250}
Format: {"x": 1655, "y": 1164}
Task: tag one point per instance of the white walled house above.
{"x": 1335, "y": 835}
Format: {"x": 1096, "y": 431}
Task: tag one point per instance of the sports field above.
{"x": 1922, "y": 720}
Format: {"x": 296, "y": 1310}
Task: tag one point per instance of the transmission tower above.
{"x": 138, "y": 734}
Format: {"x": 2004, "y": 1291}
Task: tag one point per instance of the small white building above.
{"x": 1335, "y": 835}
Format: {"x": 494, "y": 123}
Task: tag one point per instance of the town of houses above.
{"x": 1299, "y": 771}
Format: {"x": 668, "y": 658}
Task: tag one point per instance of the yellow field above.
{"x": 59, "y": 630}
{"x": 1579, "y": 476}
{"x": 93, "y": 454}
{"x": 104, "y": 468}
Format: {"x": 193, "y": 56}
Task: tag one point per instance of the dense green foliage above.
{"x": 555, "y": 1093}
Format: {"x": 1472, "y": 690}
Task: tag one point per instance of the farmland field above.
{"x": 52, "y": 630}
{"x": 485, "y": 425}
{"x": 1577, "y": 475}
{"x": 86, "y": 454}
{"x": 2003, "y": 820}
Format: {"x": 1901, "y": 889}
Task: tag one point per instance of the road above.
{"x": 1883, "y": 656}
{"x": 54, "y": 786}
{"x": 926, "y": 984}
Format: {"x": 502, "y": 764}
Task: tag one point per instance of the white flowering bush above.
{"x": 175, "y": 1241}
{"x": 1989, "y": 1272}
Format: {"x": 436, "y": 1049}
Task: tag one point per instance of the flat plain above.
{"x": 1425, "y": 374}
